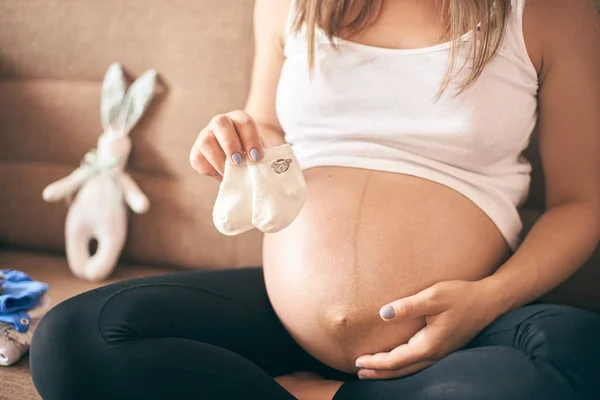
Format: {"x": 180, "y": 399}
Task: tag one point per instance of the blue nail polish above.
{"x": 359, "y": 366}
{"x": 254, "y": 154}
{"x": 362, "y": 378}
{"x": 237, "y": 158}
{"x": 387, "y": 312}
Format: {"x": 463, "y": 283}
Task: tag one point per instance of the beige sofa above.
{"x": 53, "y": 54}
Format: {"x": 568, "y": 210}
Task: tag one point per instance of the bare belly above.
{"x": 363, "y": 239}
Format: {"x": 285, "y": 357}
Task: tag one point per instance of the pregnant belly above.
{"x": 363, "y": 239}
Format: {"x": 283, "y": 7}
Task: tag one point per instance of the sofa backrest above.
{"x": 53, "y": 55}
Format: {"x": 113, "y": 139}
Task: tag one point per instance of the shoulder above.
{"x": 272, "y": 16}
{"x": 555, "y": 28}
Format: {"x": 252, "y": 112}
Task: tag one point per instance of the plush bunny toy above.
{"x": 98, "y": 210}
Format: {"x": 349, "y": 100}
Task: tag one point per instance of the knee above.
{"x": 62, "y": 349}
{"x": 564, "y": 341}
{"x": 556, "y": 332}
{"x": 53, "y": 332}
{"x": 491, "y": 373}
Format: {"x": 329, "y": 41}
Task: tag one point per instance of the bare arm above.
{"x": 569, "y": 104}
{"x": 269, "y": 30}
{"x": 240, "y": 134}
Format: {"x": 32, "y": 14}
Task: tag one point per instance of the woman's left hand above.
{"x": 455, "y": 312}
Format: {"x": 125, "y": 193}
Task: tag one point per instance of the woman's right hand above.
{"x": 232, "y": 136}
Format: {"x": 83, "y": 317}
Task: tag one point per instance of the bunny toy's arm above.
{"x": 67, "y": 185}
{"x": 135, "y": 198}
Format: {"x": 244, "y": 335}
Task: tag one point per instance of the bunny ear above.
{"x": 136, "y": 101}
{"x": 113, "y": 91}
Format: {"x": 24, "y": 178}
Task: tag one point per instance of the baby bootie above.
{"x": 232, "y": 213}
{"x": 279, "y": 189}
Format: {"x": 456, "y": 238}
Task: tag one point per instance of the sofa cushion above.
{"x": 53, "y": 56}
{"x": 16, "y": 382}
{"x": 53, "y": 270}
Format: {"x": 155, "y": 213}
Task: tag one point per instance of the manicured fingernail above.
{"x": 387, "y": 312}
{"x": 362, "y": 378}
{"x": 254, "y": 154}
{"x": 218, "y": 174}
{"x": 237, "y": 158}
{"x": 359, "y": 366}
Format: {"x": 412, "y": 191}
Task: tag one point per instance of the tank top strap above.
{"x": 291, "y": 17}
{"x": 518, "y": 6}
{"x": 514, "y": 40}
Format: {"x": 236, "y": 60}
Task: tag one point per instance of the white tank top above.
{"x": 374, "y": 108}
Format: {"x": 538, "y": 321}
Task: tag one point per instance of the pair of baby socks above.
{"x": 268, "y": 194}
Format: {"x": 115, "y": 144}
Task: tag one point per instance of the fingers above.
{"x": 227, "y": 138}
{"x": 231, "y": 136}
{"x": 426, "y": 302}
{"x": 214, "y": 154}
{"x": 206, "y": 156}
{"x": 377, "y": 375}
{"x": 417, "y": 350}
{"x": 248, "y": 134}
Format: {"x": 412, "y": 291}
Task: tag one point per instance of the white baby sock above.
{"x": 232, "y": 213}
{"x": 279, "y": 189}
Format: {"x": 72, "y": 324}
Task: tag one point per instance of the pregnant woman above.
{"x": 404, "y": 276}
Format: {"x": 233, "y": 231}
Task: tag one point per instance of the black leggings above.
{"x": 213, "y": 335}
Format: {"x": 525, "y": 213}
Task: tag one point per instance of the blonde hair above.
{"x": 486, "y": 17}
